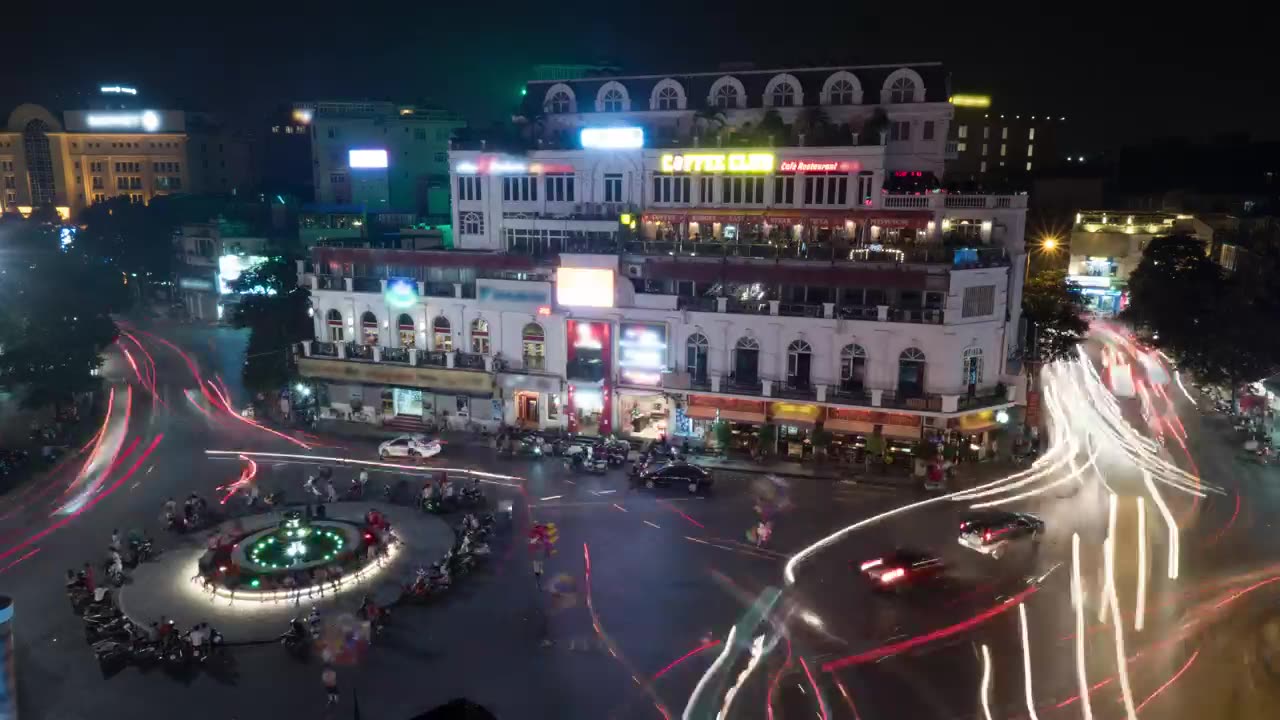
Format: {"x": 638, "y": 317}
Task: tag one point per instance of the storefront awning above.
{"x": 851, "y": 427}
{"x": 795, "y": 414}
{"x": 700, "y": 412}
{"x": 742, "y": 417}
{"x": 901, "y": 431}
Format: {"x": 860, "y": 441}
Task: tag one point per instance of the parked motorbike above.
{"x": 296, "y": 638}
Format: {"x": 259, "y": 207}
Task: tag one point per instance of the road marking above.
{"x": 570, "y": 481}
{"x": 646, "y": 522}
{"x": 153, "y": 467}
{"x": 620, "y": 507}
{"x": 551, "y": 497}
{"x": 602, "y": 492}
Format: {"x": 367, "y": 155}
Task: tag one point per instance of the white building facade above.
{"x": 654, "y": 288}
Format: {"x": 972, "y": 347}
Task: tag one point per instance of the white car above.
{"x": 413, "y": 446}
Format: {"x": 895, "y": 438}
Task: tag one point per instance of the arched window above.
{"x": 559, "y": 102}
{"x": 903, "y": 90}
{"x": 442, "y": 334}
{"x": 404, "y": 326}
{"x": 472, "y": 224}
{"x": 783, "y": 95}
{"x": 911, "y": 367}
{"x": 533, "y": 347}
{"x": 746, "y": 362}
{"x": 369, "y": 328}
{"x": 480, "y": 336}
{"x": 613, "y": 100}
{"x": 799, "y": 364}
{"x": 726, "y": 97}
{"x": 35, "y": 141}
{"x": 853, "y": 368}
{"x": 696, "y": 357}
{"x": 972, "y": 368}
{"x": 840, "y": 93}
{"x": 668, "y": 99}
{"x": 336, "y": 330}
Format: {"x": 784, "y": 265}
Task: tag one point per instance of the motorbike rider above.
{"x": 115, "y": 539}
{"x": 330, "y": 493}
{"x": 313, "y": 620}
{"x": 763, "y": 531}
{"x": 117, "y": 562}
{"x": 310, "y": 485}
{"x": 197, "y": 637}
{"x": 362, "y": 479}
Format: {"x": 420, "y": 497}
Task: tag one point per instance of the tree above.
{"x": 873, "y": 128}
{"x": 772, "y": 130}
{"x": 708, "y": 121}
{"x": 274, "y": 309}
{"x": 815, "y": 125}
{"x": 54, "y": 318}
{"x": 1054, "y": 308}
{"x": 724, "y": 436}
{"x": 1213, "y": 323}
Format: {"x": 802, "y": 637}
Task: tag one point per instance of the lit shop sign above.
{"x": 1093, "y": 281}
{"x": 402, "y": 293}
{"x": 147, "y": 120}
{"x": 370, "y": 159}
{"x": 584, "y": 287}
{"x": 493, "y": 294}
{"x": 612, "y": 138}
{"x": 493, "y": 165}
{"x": 973, "y": 101}
{"x": 818, "y": 166}
{"x": 719, "y": 162}
{"x": 117, "y": 90}
{"x": 642, "y": 353}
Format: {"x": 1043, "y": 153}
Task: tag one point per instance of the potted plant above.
{"x": 767, "y": 441}
{"x": 723, "y": 436}
{"x": 821, "y": 440}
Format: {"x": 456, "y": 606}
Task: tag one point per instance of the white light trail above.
{"x": 1109, "y": 558}
{"x": 1177, "y": 375}
{"x": 485, "y": 477}
{"x": 1168, "y": 521}
{"x": 550, "y": 497}
{"x": 757, "y": 652}
{"x": 711, "y": 672}
{"x": 986, "y": 681}
{"x": 1077, "y": 599}
{"x": 1140, "y": 612}
{"x": 1026, "y": 662}
{"x": 1117, "y": 624}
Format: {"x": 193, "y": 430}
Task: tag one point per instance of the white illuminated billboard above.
{"x": 612, "y": 138}
{"x": 584, "y": 287}
{"x": 367, "y": 158}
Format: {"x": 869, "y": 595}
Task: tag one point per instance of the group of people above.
{"x": 194, "y": 508}
{"x": 447, "y": 493}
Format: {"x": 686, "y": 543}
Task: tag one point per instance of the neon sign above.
{"x": 373, "y": 158}
{"x": 117, "y": 90}
{"x": 612, "y": 138}
{"x": 974, "y": 101}
{"x": 147, "y": 120}
{"x": 494, "y": 165}
{"x": 817, "y": 166}
{"x": 719, "y": 162}
{"x": 402, "y": 293}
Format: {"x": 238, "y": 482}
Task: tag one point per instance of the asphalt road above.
{"x": 652, "y": 581}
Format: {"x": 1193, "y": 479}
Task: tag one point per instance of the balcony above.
{"x": 952, "y": 201}
{"x": 795, "y": 389}
{"x": 400, "y": 367}
{"x": 324, "y": 349}
{"x": 747, "y": 307}
{"x": 923, "y": 253}
{"x": 437, "y": 289}
{"x": 356, "y": 351}
{"x": 330, "y": 282}
{"x": 983, "y": 398}
{"x": 915, "y": 315}
{"x": 924, "y": 402}
{"x": 800, "y": 310}
{"x": 696, "y": 304}
{"x": 849, "y": 395}
{"x": 468, "y": 361}
{"x": 395, "y": 355}
{"x": 743, "y": 386}
{"x": 433, "y": 358}
{"x": 858, "y": 312}
{"x": 366, "y": 285}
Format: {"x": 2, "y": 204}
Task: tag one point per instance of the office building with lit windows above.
{"x": 381, "y": 156}
{"x": 87, "y": 156}
{"x": 986, "y": 141}
{"x": 755, "y": 247}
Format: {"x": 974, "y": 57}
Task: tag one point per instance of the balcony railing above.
{"x": 468, "y": 361}
{"x": 858, "y": 312}
{"x": 982, "y": 399}
{"x": 747, "y": 307}
{"x": 356, "y": 351}
{"x": 366, "y": 285}
{"x": 324, "y": 349}
{"x": 915, "y": 315}
{"x": 924, "y": 253}
{"x": 696, "y": 304}
{"x": 395, "y": 355}
{"x": 953, "y": 201}
{"x": 796, "y": 389}
{"x": 799, "y": 310}
{"x": 743, "y": 386}
{"x": 699, "y": 382}
{"x": 849, "y": 395}
{"x": 330, "y": 282}
{"x": 907, "y": 400}
{"x": 433, "y": 358}
{"x": 437, "y": 289}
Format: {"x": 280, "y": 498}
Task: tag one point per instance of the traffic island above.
{"x": 257, "y": 572}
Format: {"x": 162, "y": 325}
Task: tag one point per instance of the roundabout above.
{"x": 250, "y": 575}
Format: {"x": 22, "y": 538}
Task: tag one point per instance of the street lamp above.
{"x": 1049, "y": 244}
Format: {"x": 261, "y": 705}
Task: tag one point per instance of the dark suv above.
{"x": 694, "y": 478}
{"x": 993, "y": 534}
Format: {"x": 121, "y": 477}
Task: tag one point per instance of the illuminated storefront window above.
{"x": 441, "y": 334}
{"x": 533, "y": 347}
{"x": 404, "y": 325}
{"x": 480, "y": 336}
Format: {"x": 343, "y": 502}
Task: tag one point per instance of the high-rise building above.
{"x": 760, "y": 247}
{"x": 381, "y": 156}
{"x": 987, "y": 142}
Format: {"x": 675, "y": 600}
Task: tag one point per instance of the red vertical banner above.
{"x": 606, "y": 389}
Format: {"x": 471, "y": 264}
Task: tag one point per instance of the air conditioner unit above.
{"x": 634, "y": 270}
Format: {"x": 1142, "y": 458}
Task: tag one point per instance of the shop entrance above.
{"x": 793, "y": 442}
{"x": 643, "y": 416}
{"x": 407, "y": 402}
{"x": 588, "y": 406}
{"x": 527, "y": 408}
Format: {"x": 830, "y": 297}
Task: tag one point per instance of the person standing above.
{"x": 330, "y": 679}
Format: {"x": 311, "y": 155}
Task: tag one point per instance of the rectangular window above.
{"x": 337, "y": 178}
{"x": 122, "y": 183}
{"x": 979, "y": 301}
{"x": 559, "y": 187}
{"x": 928, "y": 129}
{"x": 961, "y": 147}
{"x": 784, "y": 190}
{"x": 1031, "y": 134}
{"x": 520, "y": 188}
{"x": 985, "y": 148}
{"x": 10, "y": 182}
{"x": 706, "y": 190}
{"x": 1004, "y": 150}
{"x": 1004, "y": 133}
{"x": 469, "y": 188}
{"x": 97, "y": 182}
{"x": 1030, "y": 149}
{"x": 900, "y": 130}
{"x": 613, "y": 188}
{"x": 419, "y": 134}
{"x": 97, "y": 197}
{"x": 135, "y": 183}
{"x": 864, "y": 188}
{"x": 442, "y": 157}
{"x": 986, "y": 133}
{"x": 1028, "y": 166}
{"x": 962, "y": 132}
{"x": 743, "y": 191}
{"x": 826, "y": 189}
{"x": 982, "y": 166}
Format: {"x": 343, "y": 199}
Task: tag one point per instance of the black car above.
{"x": 694, "y": 478}
{"x": 901, "y": 568}
{"x": 994, "y": 534}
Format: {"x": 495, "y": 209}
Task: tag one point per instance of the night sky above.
{"x": 1119, "y": 76}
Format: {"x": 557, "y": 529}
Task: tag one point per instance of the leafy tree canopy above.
{"x": 1054, "y": 308}
{"x": 274, "y": 310}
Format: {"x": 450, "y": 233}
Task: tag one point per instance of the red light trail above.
{"x": 682, "y": 658}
